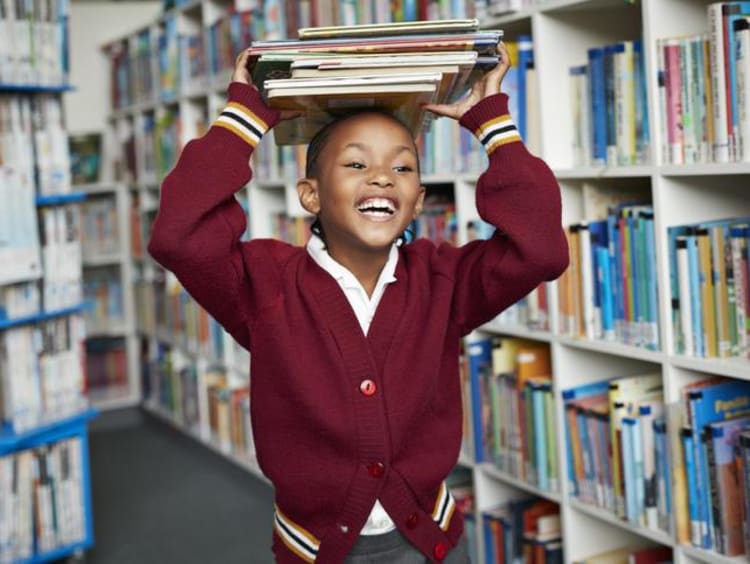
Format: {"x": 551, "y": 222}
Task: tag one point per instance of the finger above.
{"x": 291, "y": 114}
{"x": 445, "y": 110}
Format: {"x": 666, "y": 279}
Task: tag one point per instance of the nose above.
{"x": 381, "y": 178}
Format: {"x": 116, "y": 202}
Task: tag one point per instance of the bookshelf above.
{"x": 45, "y": 411}
{"x": 144, "y": 122}
{"x": 108, "y": 263}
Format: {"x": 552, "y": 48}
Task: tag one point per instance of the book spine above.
{"x": 718, "y": 83}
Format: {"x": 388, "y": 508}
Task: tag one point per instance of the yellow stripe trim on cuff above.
{"x": 237, "y": 132}
{"x": 249, "y": 112}
{"x": 490, "y": 123}
{"x": 499, "y": 142}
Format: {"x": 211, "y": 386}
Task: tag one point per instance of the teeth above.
{"x": 377, "y": 205}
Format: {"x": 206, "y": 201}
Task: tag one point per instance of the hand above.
{"x": 243, "y": 73}
{"x": 243, "y": 68}
{"x": 487, "y": 86}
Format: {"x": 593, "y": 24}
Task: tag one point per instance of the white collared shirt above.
{"x": 364, "y": 307}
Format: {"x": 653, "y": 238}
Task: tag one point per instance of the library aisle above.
{"x": 159, "y": 497}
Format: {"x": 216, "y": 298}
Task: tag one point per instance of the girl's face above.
{"x": 367, "y": 189}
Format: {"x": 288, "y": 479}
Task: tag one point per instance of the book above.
{"x": 322, "y": 104}
{"x": 360, "y": 70}
{"x": 394, "y": 28}
{"x": 85, "y": 157}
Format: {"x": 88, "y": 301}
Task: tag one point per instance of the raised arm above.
{"x": 197, "y": 231}
{"x": 519, "y": 195}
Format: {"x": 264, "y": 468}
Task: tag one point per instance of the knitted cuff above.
{"x": 246, "y": 114}
{"x": 491, "y": 123}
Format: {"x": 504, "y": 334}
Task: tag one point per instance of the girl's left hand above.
{"x": 487, "y": 86}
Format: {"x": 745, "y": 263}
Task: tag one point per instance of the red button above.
{"x": 367, "y": 387}
{"x": 412, "y": 520}
{"x": 439, "y": 551}
{"x": 376, "y": 469}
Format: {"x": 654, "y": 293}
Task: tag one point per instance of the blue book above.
{"x": 605, "y": 448}
{"x": 642, "y": 136}
{"x": 598, "y": 101}
{"x": 605, "y": 292}
{"x": 479, "y": 355}
{"x": 525, "y": 59}
{"x": 652, "y": 295}
{"x": 610, "y": 103}
{"x": 695, "y": 292}
{"x": 628, "y": 466}
{"x": 663, "y": 475}
{"x": 723, "y": 400}
{"x": 615, "y": 254}
{"x": 489, "y": 538}
{"x": 599, "y": 239}
{"x": 540, "y": 432}
{"x": 731, "y": 12}
{"x": 688, "y": 451}
{"x": 572, "y": 394}
{"x": 588, "y": 488}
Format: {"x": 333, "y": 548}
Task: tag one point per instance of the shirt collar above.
{"x": 317, "y": 250}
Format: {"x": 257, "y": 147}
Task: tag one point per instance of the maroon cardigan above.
{"x": 341, "y": 419}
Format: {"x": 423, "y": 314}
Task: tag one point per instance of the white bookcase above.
{"x": 562, "y": 31}
{"x": 122, "y": 329}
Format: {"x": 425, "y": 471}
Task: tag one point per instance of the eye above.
{"x": 403, "y": 168}
{"x": 355, "y": 165}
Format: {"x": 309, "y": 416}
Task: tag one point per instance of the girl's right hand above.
{"x": 243, "y": 67}
{"x": 243, "y": 73}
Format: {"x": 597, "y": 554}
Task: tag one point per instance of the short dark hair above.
{"x": 320, "y": 139}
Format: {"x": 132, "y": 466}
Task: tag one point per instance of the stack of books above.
{"x": 393, "y": 67}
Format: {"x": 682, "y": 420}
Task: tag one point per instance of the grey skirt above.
{"x": 393, "y": 548}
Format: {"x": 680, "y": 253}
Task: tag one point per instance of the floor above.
{"x": 160, "y": 497}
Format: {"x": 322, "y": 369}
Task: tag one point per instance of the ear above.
{"x": 307, "y": 190}
{"x": 420, "y": 201}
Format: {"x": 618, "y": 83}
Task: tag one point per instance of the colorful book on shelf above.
{"x": 708, "y": 402}
{"x": 726, "y": 485}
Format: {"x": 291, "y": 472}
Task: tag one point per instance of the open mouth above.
{"x": 377, "y": 207}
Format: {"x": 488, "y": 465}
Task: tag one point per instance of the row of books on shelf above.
{"x": 173, "y": 386}
{"x": 34, "y": 49}
{"x": 42, "y": 369}
{"x": 703, "y": 92}
{"x": 27, "y": 131}
{"x": 609, "y": 106}
{"x": 628, "y": 555}
{"x": 510, "y": 399}
{"x": 60, "y": 240}
{"x": 702, "y": 89}
{"x": 106, "y": 364}
{"x": 715, "y": 441}
{"x": 526, "y": 530}
{"x": 609, "y": 292}
{"x": 103, "y": 293}
{"x": 41, "y": 500}
{"x": 164, "y": 308}
{"x": 710, "y": 275}
{"x": 100, "y": 232}
{"x": 681, "y": 469}
{"x": 617, "y": 453}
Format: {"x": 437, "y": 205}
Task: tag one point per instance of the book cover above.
{"x": 728, "y": 514}
{"x": 321, "y": 105}
{"x": 390, "y": 28}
